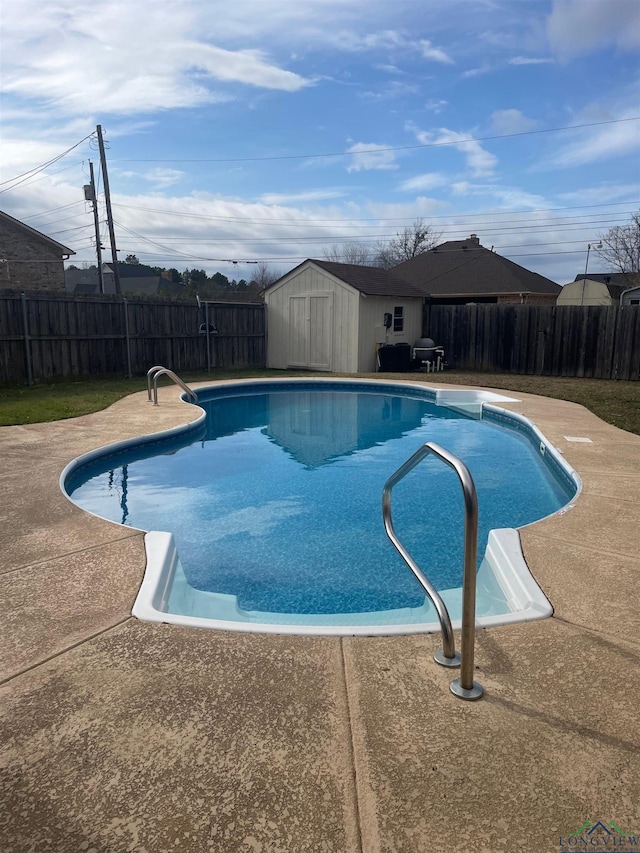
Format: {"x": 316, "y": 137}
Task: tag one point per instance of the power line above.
{"x": 328, "y": 222}
{"x": 374, "y": 150}
{"x": 518, "y": 225}
{"x": 53, "y": 210}
{"x": 151, "y": 242}
{"x": 28, "y": 182}
{"x": 66, "y": 230}
{"x": 36, "y": 169}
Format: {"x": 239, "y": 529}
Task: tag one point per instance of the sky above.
{"x": 271, "y": 130}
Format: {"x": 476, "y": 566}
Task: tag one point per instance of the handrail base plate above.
{"x": 475, "y": 692}
{"x": 443, "y": 660}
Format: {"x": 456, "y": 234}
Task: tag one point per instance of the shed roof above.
{"x": 465, "y": 268}
{"x": 372, "y": 281}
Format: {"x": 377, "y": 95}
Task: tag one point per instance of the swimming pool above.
{"x": 273, "y": 503}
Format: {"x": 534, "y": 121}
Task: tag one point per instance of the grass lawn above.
{"x": 616, "y": 402}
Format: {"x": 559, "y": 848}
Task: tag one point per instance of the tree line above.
{"x": 198, "y": 281}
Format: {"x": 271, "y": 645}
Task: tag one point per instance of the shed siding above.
{"x": 343, "y": 319}
{"x": 584, "y": 293}
{"x": 372, "y": 311}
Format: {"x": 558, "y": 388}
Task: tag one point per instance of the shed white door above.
{"x": 310, "y": 331}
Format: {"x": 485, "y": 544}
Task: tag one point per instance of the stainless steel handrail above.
{"x": 150, "y": 373}
{"x": 164, "y": 371}
{"x": 464, "y": 687}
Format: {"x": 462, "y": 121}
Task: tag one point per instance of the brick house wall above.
{"x": 28, "y": 261}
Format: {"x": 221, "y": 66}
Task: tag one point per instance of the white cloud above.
{"x": 162, "y": 177}
{"x": 510, "y": 198}
{"x": 511, "y": 121}
{"x": 437, "y": 54}
{"x": 68, "y": 59}
{"x": 435, "y": 106}
{"x": 485, "y": 68}
{"x": 428, "y": 181}
{"x": 595, "y": 144}
{"x": 351, "y": 41}
{"x": 393, "y": 90}
{"x": 480, "y": 161}
{"x": 595, "y": 194}
{"x": 576, "y": 28}
{"x": 370, "y": 157}
{"x": 305, "y": 195}
{"x": 528, "y": 60}
{"x": 389, "y": 69}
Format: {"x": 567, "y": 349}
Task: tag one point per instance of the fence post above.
{"x": 27, "y": 339}
{"x": 206, "y": 322}
{"x": 128, "y": 339}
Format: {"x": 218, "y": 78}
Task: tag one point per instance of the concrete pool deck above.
{"x": 118, "y": 735}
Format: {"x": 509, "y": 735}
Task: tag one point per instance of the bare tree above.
{"x": 621, "y": 249}
{"x": 413, "y": 240}
{"x": 264, "y": 275}
{"x": 349, "y": 253}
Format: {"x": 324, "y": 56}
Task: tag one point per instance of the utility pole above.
{"x": 90, "y": 195}
{"x": 107, "y": 198}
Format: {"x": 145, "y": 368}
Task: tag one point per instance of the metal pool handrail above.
{"x": 464, "y": 687}
{"x": 157, "y": 371}
{"x": 150, "y": 374}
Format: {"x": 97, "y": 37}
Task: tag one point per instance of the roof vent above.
{"x": 474, "y": 239}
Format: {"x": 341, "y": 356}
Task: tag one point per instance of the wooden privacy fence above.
{"x": 602, "y": 342}
{"x": 43, "y": 335}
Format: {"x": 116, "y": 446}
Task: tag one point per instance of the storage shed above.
{"x": 335, "y": 317}
{"x": 594, "y": 289}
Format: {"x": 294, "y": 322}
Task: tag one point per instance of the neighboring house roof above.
{"x": 605, "y": 277}
{"x": 63, "y": 250}
{"x": 139, "y": 278}
{"x": 131, "y": 270}
{"x": 465, "y": 268}
{"x": 86, "y": 289}
{"x": 371, "y": 281}
{"x": 151, "y": 285}
{"x": 615, "y": 290}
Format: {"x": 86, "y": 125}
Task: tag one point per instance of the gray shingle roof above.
{"x": 465, "y": 268}
{"x": 372, "y": 281}
{"x": 132, "y": 270}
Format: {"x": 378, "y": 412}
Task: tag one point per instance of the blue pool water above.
{"x": 277, "y": 499}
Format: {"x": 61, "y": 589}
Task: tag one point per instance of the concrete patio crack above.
{"x": 64, "y": 651}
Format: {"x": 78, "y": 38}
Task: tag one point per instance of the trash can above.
{"x": 403, "y": 357}
{"x": 387, "y": 358}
